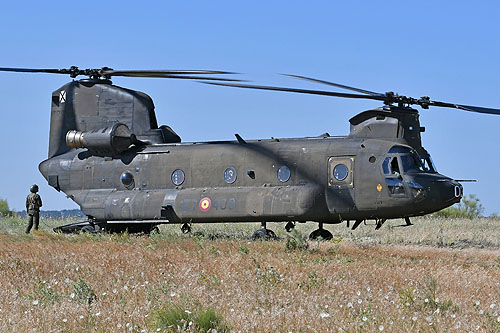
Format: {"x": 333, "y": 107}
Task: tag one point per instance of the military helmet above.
{"x": 34, "y": 188}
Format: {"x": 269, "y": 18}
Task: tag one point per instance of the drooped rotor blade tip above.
{"x": 172, "y": 76}
{"x": 338, "y": 85}
{"x": 300, "y": 91}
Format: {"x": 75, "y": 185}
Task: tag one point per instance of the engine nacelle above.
{"x": 110, "y": 140}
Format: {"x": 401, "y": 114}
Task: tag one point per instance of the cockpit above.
{"x": 401, "y": 161}
{"x": 409, "y": 162}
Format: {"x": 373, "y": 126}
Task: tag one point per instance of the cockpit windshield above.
{"x": 428, "y": 164}
{"x": 411, "y": 162}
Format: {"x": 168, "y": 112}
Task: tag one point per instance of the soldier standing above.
{"x": 33, "y": 204}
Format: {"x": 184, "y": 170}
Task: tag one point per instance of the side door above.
{"x": 340, "y": 189}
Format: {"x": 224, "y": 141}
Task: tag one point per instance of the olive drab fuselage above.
{"x": 378, "y": 171}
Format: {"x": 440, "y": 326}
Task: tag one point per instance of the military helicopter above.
{"x": 108, "y": 154}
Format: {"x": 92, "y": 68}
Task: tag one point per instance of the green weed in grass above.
{"x": 311, "y": 282}
{"x": 296, "y": 241}
{"x": 178, "y": 318}
{"x": 244, "y": 250}
{"x": 84, "y": 293}
{"x": 43, "y": 293}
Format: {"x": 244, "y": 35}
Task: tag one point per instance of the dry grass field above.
{"x": 439, "y": 275}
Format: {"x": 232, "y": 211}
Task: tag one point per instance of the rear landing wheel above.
{"x": 87, "y": 229}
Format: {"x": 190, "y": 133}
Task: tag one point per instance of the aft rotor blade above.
{"x": 107, "y": 72}
{"x": 332, "y": 84}
{"x": 466, "y": 107}
{"x": 301, "y": 91}
{"x": 147, "y": 73}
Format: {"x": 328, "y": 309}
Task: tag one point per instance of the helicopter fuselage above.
{"x": 324, "y": 179}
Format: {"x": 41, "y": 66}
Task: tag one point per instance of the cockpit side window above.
{"x": 386, "y": 166}
{"x": 390, "y": 166}
{"x": 395, "y": 166}
{"x": 395, "y": 187}
{"x": 393, "y": 180}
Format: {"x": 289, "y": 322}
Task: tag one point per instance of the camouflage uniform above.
{"x": 33, "y": 204}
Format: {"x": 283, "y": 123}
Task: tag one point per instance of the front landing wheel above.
{"x": 321, "y": 234}
{"x": 186, "y": 228}
{"x": 264, "y": 234}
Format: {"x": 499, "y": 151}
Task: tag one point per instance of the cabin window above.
{"x": 178, "y": 177}
{"x": 230, "y": 175}
{"x": 127, "y": 179}
{"x": 340, "y": 172}
{"x": 284, "y": 173}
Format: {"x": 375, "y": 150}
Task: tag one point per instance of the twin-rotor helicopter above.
{"x": 108, "y": 154}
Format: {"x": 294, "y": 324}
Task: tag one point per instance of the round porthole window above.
{"x": 127, "y": 179}
{"x": 230, "y": 175}
{"x": 340, "y": 172}
{"x": 178, "y": 177}
{"x": 283, "y": 173}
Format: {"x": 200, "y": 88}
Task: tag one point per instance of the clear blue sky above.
{"x": 448, "y": 50}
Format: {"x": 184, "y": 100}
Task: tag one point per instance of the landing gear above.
{"x": 186, "y": 228}
{"x": 289, "y": 226}
{"x": 263, "y": 233}
{"x": 356, "y": 224}
{"x": 380, "y": 223}
{"x": 91, "y": 228}
{"x": 320, "y": 232}
{"x": 87, "y": 229}
{"x": 408, "y": 222}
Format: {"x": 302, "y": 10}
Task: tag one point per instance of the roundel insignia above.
{"x": 205, "y": 204}
{"x": 379, "y": 187}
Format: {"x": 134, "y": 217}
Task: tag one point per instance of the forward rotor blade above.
{"x": 466, "y": 107}
{"x": 332, "y": 84}
{"x": 301, "y": 91}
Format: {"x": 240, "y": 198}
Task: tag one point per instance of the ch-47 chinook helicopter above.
{"x": 108, "y": 154}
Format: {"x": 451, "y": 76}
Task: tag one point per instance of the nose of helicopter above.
{"x": 436, "y": 192}
{"x": 448, "y": 192}
{"x": 452, "y": 191}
